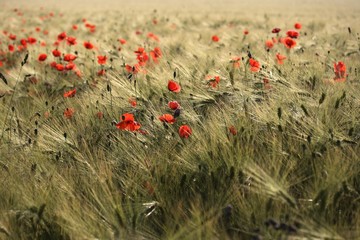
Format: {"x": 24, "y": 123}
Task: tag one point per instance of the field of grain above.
{"x": 179, "y": 120}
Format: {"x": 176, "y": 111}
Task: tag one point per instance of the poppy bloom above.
{"x": 42, "y": 57}
{"x": 99, "y": 115}
{"x": 88, "y": 45}
{"x": 31, "y": 40}
{"x": 74, "y": 27}
{"x": 292, "y": 34}
{"x": 71, "y": 40}
{"x": 128, "y": 123}
{"x": 53, "y": 64}
{"x": 246, "y": 32}
{"x": 254, "y": 65}
{"x": 267, "y": 85}
{"x": 215, "y": 38}
{"x": 156, "y": 54}
{"x": 276, "y": 30}
{"x": 153, "y": 36}
{"x": 280, "y": 58}
{"x": 23, "y": 42}
{"x": 289, "y": 42}
{"x": 269, "y": 44}
{"x": 340, "y": 72}
{"x": 11, "y": 48}
{"x": 70, "y": 93}
{"x": 297, "y": 25}
{"x": 59, "y": 67}
{"x": 174, "y": 105}
{"x": 70, "y": 66}
{"x": 213, "y": 81}
{"x": 185, "y": 131}
{"x": 69, "y": 112}
{"x": 101, "y": 72}
{"x": 12, "y": 36}
{"x": 132, "y": 69}
{"x": 142, "y": 57}
{"x": 91, "y": 27}
{"x": 122, "y": 41}
{"x": 101, "y": 60}
{"x": 132, "y": 102}
{"x": 167, "y": 118}
{"x": 56, "y": 53}
{"x": 174, "y": 86}
{"x": 1, "y": 64}
{"x": 61, "y": 36}
{"x": 69, "y": 57}
{"x": 232, "y": 130}
{"x": 236, "y": 62}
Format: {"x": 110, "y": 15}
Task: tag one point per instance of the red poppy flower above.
{"x": 69, "y": 57}
{"x": 213, "y": 80}
{"x": 132, "y": 69}
{"x": 59, "y": 67}
{"x": 340, "y": 72}
{"x": 56, "y": 53}
{"x": 122, "y": 41}
{"x": 174, "y": 105}
{"x": 69, "y": 112}
{"x": 11, "y": 48}
{"x": 167, "y": 118}
{"x": 236, "y": 62}
{"x": 74, "y": 27}
{"x": 289, "y": 42}
{"x": 174, "y": 86}
{"x": 101, "y": 72}
{"x": 232, "y": 130}
{"x": 88, "y": 45}
{"x": 71, "y": 40}
{"x": 132, "y": 102}
{"x": 246, "y": 32}
{"x": 31, "y": 40}
{"x": 185, "y": 131}
{"x": 61, "y": 36}
{"x": 101, "y": 60}
{"x": 292, "y": 34}
{"x": 12, "y": 36}
{"x": 254, "y": 65}
{"x": 128, "y": 123}
{"x": 53, "y": 64}
{"x": 156, "y": 54}
{"x": 153, "y": 36}
{"x": 280, "y": 58}
{"x": 215, "y": 38}
{"x": 276, "y": 30}
{"x": 23, "y": 42}
{"x": 269, "y": 44}
{"x": 297, "y": 25}
{"x": 70, "y": 66}
{"x": 267, "y": 85}
{"x": 1, "y": 64}
{"x": 70, "y": 93}
{"x": 42, "y": 57}
{"x": 142, "y": 57}
{"x": 91, "y": 27}
{"x": 99, "y": 115}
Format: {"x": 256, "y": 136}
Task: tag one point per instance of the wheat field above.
{"x": 179, "y": 120}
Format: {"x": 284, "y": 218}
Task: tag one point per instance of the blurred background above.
{"x": 215, "y": 5}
